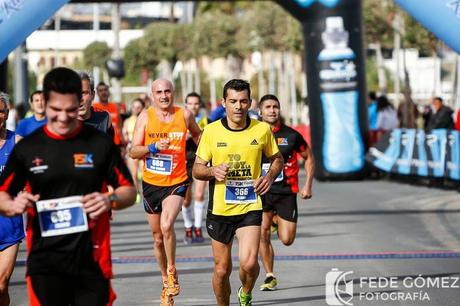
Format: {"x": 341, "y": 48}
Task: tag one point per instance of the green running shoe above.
{"x": 269, "y": 284}
{"x": 243, "y": 298}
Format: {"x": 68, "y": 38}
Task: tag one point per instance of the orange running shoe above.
{"x": 173, "y": 282}
{"x": 165, "y": 298}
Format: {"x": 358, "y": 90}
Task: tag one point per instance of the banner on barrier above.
{"x": 414, "y": 152}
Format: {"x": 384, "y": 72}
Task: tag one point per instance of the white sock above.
{"x": 187, "y": 215}
{"x": 198, "y": 209}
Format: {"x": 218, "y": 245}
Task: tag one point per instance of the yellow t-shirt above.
{"x": 242, "y": 150}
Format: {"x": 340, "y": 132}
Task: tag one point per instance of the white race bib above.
{"x": 62, "y": 216}
{"x": 240, "y": 192}
{"x": 159, "y": 164}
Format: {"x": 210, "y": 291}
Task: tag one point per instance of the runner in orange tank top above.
{"x": 167, "y": 168}
{"x": 103, "y": 92}
{"x": 159, "y": 139}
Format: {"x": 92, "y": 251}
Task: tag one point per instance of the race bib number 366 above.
{"x": 61, "y": 216}
{"x": 240, "y": 192}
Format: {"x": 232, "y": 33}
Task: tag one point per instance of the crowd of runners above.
{"x": 73, "y": 161}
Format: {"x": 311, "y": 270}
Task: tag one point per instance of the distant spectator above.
{"x": 441, "y": 118}
{"x": 146, "y": 99}
{"x": 387, "y": 118}
{"x": 112, "y": 108}
{"x": 427, "y": 112}
{"x": 28, "y": 125}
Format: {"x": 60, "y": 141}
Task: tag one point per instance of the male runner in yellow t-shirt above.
{"x": 234, "y": 147}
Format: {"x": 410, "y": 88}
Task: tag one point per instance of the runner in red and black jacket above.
{"x": 281, "y": 200}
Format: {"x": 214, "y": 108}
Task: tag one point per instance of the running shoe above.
{"x": 198, "y": 235}
{"x": 165, "y": 299}
{"x": 173, "y": 282}
{"x": 188, "y": 239}
{"x": 269, "y": 284}
{"x": 244, "y": 299}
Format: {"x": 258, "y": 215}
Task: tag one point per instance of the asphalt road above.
{"x": 404, "y": 240}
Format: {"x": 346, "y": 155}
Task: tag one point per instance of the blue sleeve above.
{"x": 21, "y": 128}
{"x": 217, "y": 114}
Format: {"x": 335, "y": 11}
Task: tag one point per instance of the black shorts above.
{"x": 283, "y": 205}
{"x": 58, "y": 290}
{"x": 223, "y": 228}
{"x": 189, "y": 161}
{"x": 154, "y": 195}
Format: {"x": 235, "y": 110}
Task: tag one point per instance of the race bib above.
{"x": 159, "y": 164}
{"x": 240, "y": 192}
{"x": 61, "y": 216}
{"x": 266, "y": 167}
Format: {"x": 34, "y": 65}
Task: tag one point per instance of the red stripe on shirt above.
{"x": 53, "y": 135}
{"x": 122, "y": 180}
{"x": 7, "y": 183}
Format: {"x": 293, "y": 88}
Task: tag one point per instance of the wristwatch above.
{"x": 113, "y": 198}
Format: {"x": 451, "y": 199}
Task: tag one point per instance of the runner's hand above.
{"x": 95, "y": 204}
{"x": 262, "y": 185}
{"x": 306, "y": 193}
{"x": 21, "y": 202}
{"x": 220, "y": 172}
{"x": 163, "y": 144}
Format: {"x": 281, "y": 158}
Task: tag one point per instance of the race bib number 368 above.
{"x": 61, "y": 216}
{"x": 159, "y": 164}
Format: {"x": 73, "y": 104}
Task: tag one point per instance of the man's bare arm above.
{"x": 306, "y": 192}
{"x": 139, "y": 149}
{"x": 205, "y": 173}
{"x": 263, "y": 183}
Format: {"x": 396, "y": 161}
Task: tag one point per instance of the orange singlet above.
{"x": 112, "y": 109}
{"x": 166, "y": 168}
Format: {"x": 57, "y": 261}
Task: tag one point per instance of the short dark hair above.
{"x": 62, "y": 80}
{"x": 439, "y": 99}
{"x": 383, "y": 102}
{"x": 37, "y": 92}
{"x": 372, "y": 95}
{"x": 85, "y": 76}
{"x": 101, "y": 84}
{"x": 193, "y": 94}
{"x": 268, "y": 97}
{"x": 237, "y": 85}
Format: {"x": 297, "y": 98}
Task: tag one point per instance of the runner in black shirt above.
{"x": 100, "y": 120}
{"x": 64, "y": 166}
{"x": 281, "y": 200}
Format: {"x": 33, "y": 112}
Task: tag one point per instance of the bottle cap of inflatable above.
{"x": 334, "y": 24}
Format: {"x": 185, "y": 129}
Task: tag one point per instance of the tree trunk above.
{"x": 234, "y": 64}
{"x": 380, "y": 69}
{"x": 271, "y": 74}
